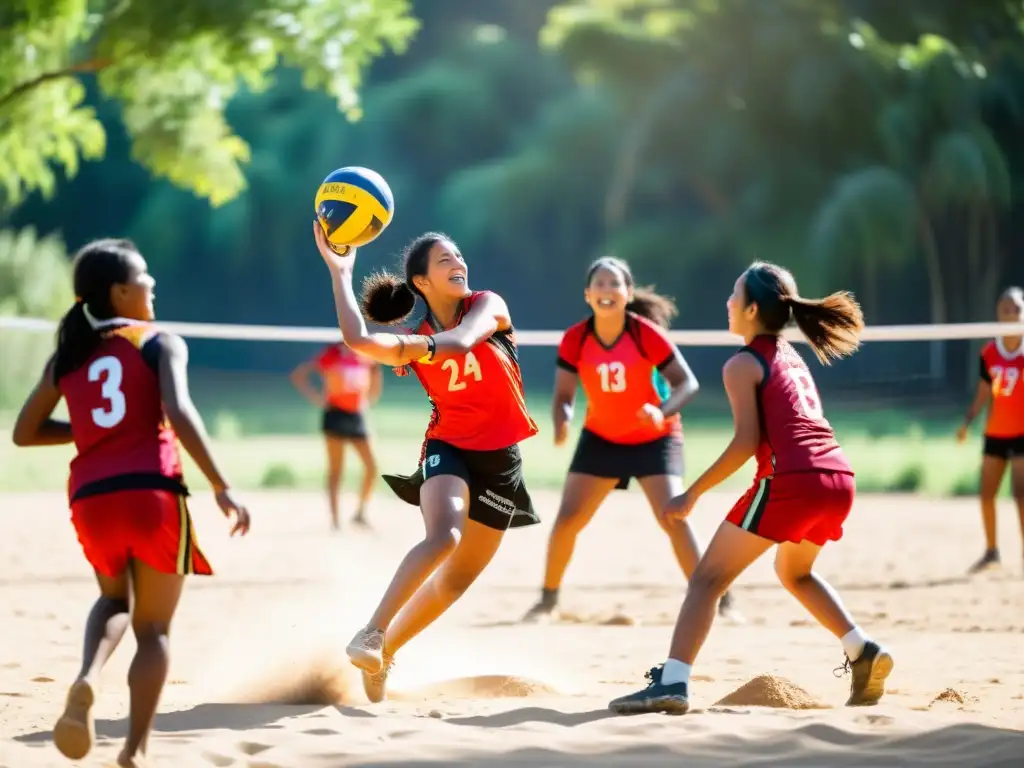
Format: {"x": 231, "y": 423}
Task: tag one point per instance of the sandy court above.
{"x": 478, "y": 689}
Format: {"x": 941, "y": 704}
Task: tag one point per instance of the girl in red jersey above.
{"x": 802, "y": 493}
{"x": 351, "y": 383}
{"x": 1002, "y": 382}
{"x": 126, "y": 389}
{"x": 636, "y": 382}
{"x": 469, "y": 485}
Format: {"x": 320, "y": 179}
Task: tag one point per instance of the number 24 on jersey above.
{"x": 459, "y": 376}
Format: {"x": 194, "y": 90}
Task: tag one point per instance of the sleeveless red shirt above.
{"x": 1004, "y": 372}
{"x": 618, "y": 380}
{"x": 795, "y": 435}
{"x": 477, "y": 398}
{"x": 118, "y": 424}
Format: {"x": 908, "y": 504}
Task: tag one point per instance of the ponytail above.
{"x": 832, "y": 325}
{"x": 77, "y": 340}
{"x": 652, "y": 306}
{"x": 386, "y": 298}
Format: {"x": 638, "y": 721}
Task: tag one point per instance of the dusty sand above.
{"x": 480, "y": 689}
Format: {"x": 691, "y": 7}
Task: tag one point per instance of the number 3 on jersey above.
{"x": 807, "y": 393}
{"x": 457, "y": 379}
{"x": 108, "y": 371}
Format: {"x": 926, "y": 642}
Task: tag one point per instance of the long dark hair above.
{"x": 98, "y": 267}
{"x": 388, "y": 299}
{"x": 832, "y": 325}
{"x": 646, "y": 302}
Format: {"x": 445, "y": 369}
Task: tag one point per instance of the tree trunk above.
{"x": 936, "y": 291}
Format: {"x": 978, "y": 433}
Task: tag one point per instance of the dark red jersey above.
{"x": 117, "y": 417}
{"x": 478, "y": 399}
{"x": 795, "y": 435}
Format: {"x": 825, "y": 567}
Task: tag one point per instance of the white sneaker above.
{"x": 375, "y": 684}
{"x": 366, "y": 650}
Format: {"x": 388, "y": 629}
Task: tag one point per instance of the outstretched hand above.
{"x": 233, "y": 508}
{"x": 331, "y": 257}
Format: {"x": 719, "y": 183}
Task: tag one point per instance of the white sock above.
{"x": 675, "y": 671}
{"x": 853, "y": 643}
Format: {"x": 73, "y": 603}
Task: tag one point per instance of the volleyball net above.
{"x": 895, "y": 403}
{"x": 918, "y": 367}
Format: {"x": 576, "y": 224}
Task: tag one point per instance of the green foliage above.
{"x": 35, "y": 281}
{"x": 278, "y": 475}
{"x": 909, "y": 480}
{"x": 173, "y": 68}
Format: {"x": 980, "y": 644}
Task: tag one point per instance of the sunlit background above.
{"x": 865, "y": 144}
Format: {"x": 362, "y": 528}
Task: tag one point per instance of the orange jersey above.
{"x": 347, "y": 378}
{"x": 620, "y": 379}
{"x": 477, "y": 398}
{"x": 1004, "y": 372}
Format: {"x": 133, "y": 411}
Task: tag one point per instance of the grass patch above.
{"x": 266, "y": 436}
{"x": 912, "y": 462}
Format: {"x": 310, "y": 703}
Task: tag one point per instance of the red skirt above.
{"x": 799, "y": 506}
{"x": 152, "y": 526}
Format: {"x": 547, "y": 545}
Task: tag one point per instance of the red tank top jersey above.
{"x": 795, "y": 435}
{"x": 347, "y": 377}
{"x": 120, "y": 431}
{"x": 618, "y": 380}
{"x": 477, "y": 398}
{"x": 1004, "y": 371}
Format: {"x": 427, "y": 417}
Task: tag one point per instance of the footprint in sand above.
{"x": 221, "y": 761}
{"x": 251, "y": 748}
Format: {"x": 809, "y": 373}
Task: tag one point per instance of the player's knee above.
{"x": 151, "y": 631}
{"x": 788, "y": 578}
{"x": 708, "y": 582}
{"x": 443, "y": 542}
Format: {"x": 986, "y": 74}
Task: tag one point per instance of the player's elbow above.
{"x": 363, "y": 345}
{"x": 21, "y": 436}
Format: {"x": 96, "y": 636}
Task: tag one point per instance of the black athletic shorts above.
{"x": 344, "y": 424}
{"x": 1005, "y": 448}
{"x": 598, "y": 457}
{"x": 497, "y": 491}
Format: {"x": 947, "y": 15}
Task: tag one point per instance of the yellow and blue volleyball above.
{"x": 354, "y": 205}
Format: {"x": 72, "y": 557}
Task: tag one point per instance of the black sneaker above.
{"x": 987, "y": 561}
{"x": 870, "y": 670}
{"x": 543, "y": 608}
{"x": 671, "y": 699}
{"x": 727, "y": 610}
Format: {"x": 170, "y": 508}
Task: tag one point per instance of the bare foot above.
{"x": 75, "y": 733}
{"x": 133, "y": 761}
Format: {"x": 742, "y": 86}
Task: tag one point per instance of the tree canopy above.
{"x": 172, "y": 68}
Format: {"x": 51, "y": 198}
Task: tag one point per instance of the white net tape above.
{"x": 941, "y": 332}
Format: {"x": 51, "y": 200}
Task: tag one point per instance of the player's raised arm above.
{"x": 34, "y": 425}
{"x": 385, "y": 292}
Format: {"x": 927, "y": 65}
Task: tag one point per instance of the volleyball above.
{"x": 353, "y": 205}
